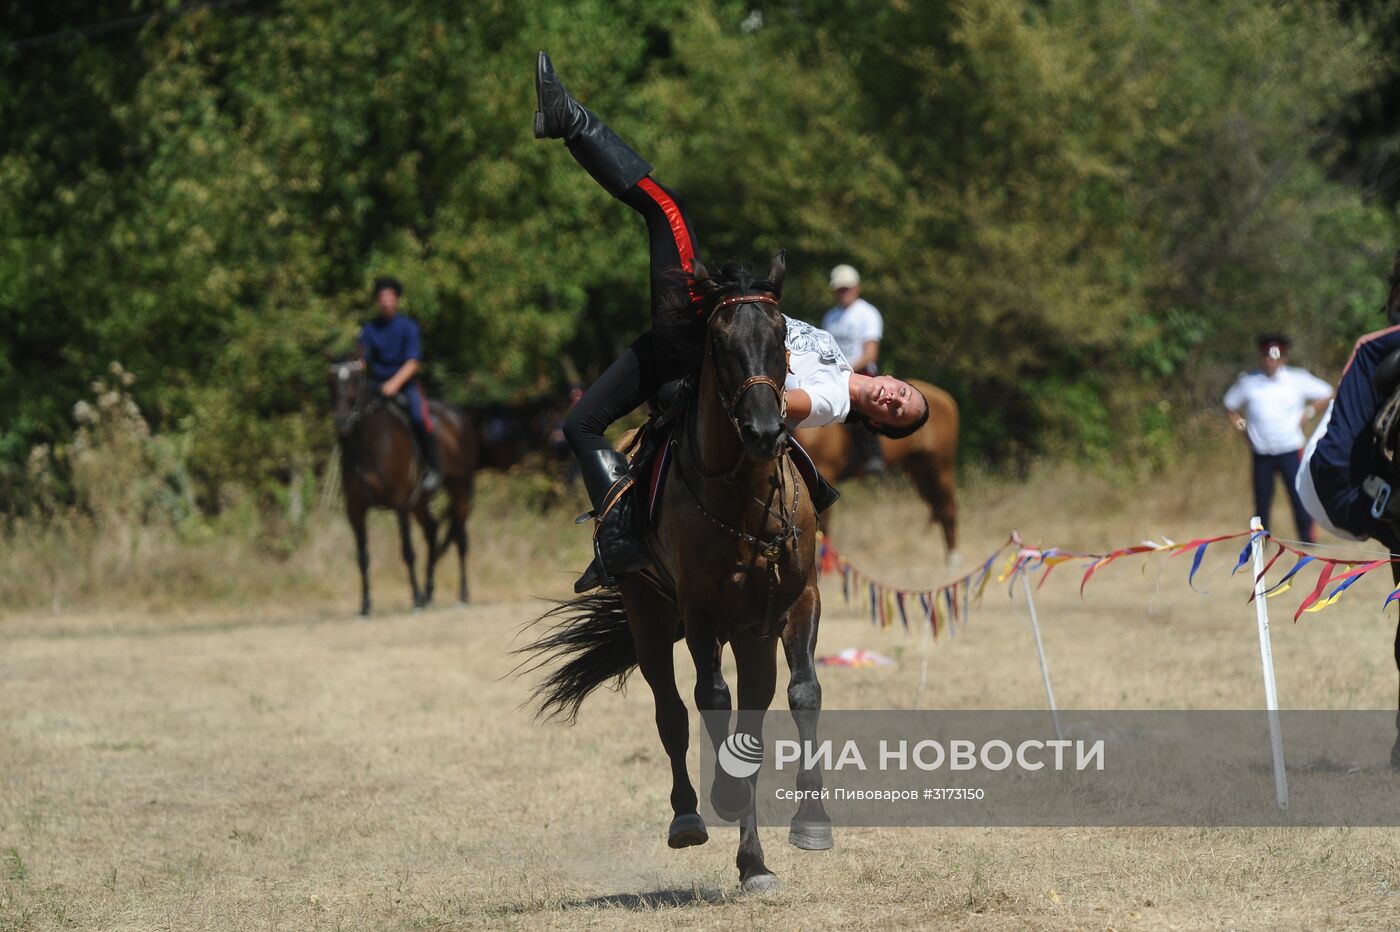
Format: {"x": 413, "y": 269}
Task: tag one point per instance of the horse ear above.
{"x": 776, "y": 271}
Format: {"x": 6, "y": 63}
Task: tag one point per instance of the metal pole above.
{"x": 1266, "y": 660}
{"x": 1040, "y": 652}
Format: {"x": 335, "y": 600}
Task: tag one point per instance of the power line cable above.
{"x": 115, "y": 25}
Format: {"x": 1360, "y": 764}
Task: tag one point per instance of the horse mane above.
{"x": 737, "y": 277}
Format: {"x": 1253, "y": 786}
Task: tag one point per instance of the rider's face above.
{"x": 889, "y": 402}
{"x": 388, "y": 301}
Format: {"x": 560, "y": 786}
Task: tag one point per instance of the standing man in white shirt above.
{"x": 1269, "y": 404}
{"x": 854, "y": 322}
{"x": 858, "y": 329}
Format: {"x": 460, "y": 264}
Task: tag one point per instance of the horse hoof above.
{"x": 687, "y": 830}
{"x": 731, "y": 799}
{"x": 811, "y": 836}
{"x": 759, "y": 883}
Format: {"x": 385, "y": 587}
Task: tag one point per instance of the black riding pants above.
{"x": 671, "y": 348}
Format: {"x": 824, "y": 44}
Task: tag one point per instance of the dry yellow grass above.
{"x": 279, "y": 767}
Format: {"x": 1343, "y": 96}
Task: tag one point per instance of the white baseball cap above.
{"x": 844, "y": 276}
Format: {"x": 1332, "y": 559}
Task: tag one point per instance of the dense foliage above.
{"x": 1072, "y": 212}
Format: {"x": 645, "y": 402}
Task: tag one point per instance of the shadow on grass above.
{"x": 652, "y": 899}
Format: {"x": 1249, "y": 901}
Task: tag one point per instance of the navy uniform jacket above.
{"x": 388, "y": 343}
{"x": 1348, "y": 452}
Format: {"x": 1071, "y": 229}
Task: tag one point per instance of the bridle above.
{"x": 343, "y": 371}
{"x": 769, "y": 548}
{"x": 731, "y": 403}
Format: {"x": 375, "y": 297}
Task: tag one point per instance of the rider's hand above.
{"x": 387, "y": 390}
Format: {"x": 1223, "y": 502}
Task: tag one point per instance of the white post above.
{"x": 923, "y": 666}
{"x": 1266, "y": 659}
{"x": 1040, "y": 652}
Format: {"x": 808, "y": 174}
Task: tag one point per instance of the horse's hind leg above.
{"x": 406, "y": 539}
{"x": 461, "y": 510}
{"x": 429, "y": 524}
{"x": 653, "y": 621}
{"x": 756, "y": 659}
{"x": 811, "y": 826}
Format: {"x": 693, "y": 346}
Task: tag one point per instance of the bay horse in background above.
{"x": 929, "y": 457}
{"x": 379, "y": 467}
{"x": 734, "y": 545}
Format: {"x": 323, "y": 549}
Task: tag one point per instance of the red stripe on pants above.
{"x": 680, "y": 233}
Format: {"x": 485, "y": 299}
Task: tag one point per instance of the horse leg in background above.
{"x": 1395, "y": 749}
{"x": 811, "y": 826}
{"x": 757, "y": 661}
{"x": 406, "y": 540}
{"x": 652, "y": 618}
{"x": 461, "y": 508}
{"x": 355, "y": 509}
{"x": 429, "y": 524}
{"x": 935, "y": 487}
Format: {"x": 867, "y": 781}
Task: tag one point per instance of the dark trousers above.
{"x": 671, "y": 348}
{"x": 1285, "y": 465}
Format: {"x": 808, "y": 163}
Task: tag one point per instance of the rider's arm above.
{"x": 1235, "y": 400}
{"x": 407, "y": 371}
{"x": 869, "y": 355}
{"x": 799, "y": 405}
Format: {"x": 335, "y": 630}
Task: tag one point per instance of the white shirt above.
{"x": 1273, "y": 407}
{"x": 818, "y": 367}
{"x": 854, "y": 326}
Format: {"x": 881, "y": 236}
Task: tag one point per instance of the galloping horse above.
{"x": 379, "y": 468}
{"x": 929, "y": 456}
{"x": 734, "y": 543}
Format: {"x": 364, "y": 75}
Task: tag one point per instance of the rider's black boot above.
{"x": 600, "y": 151}
{"x": 618, "y": 544}
{"x": 432, "y": 472}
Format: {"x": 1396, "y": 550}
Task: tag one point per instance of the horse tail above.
{"x": 589, "y": 645}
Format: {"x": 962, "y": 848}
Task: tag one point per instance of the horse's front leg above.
{"x": 811, "y": 826}
{"x": 731, "y": 797}
{"x": 653, "y": 620}
{"x": 355, "y": 510}
{"x": 757, "y": 660}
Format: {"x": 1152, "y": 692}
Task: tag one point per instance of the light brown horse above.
{"x": 929, "y": 456}
{"x": 734, "y": 546}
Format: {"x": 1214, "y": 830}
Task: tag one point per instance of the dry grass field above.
{"x": 275, "y": 763}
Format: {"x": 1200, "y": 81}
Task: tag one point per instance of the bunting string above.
{"x": 946, "y": 607}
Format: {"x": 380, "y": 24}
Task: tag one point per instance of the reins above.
{"x": 770, "y": 548}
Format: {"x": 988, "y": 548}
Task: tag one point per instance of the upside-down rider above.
{"x": 392, "y": 351}
{"x": 821, "y": 388}
{"x": 1347, "y": 476}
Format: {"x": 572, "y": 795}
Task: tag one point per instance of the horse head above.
{"x": 346, "y": 381}
{"x": 746, "y": 347}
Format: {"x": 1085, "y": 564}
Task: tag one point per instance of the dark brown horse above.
{"x": 735, "y": 552}
{"x": 380, "y": 469}
{"x": 928, "y": 456}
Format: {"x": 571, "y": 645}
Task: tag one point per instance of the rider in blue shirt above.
{"x": 392, "y": 353}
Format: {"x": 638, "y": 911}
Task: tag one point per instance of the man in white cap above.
{"x": 854, "y": 322}
{"x": 858, "y": 329}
